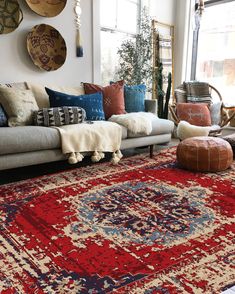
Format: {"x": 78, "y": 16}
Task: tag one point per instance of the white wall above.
{"x": 16, "y": 65}
{"x": 183, "y": 41}
{"x": 163, "y": 10}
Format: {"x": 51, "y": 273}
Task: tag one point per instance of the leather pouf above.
{"x": 207, "y": 154}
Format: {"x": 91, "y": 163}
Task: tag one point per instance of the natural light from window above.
{"x": 118, "y": 20}
{"x": 216, "y": 49}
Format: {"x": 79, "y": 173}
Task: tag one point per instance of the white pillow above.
{"x": 19, "y": 106}
{"x": 42, "y": 97}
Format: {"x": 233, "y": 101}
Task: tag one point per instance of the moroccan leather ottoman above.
{"x": 206, "y": 154}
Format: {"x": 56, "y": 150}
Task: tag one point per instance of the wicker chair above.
{"x": 179, "y": 96}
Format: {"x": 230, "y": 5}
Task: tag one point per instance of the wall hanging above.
{"x": 78, "y": 11}
{"x": 10, "y": 16}
{"x": 46, "y": 47}
{"x": 47, "y": 8}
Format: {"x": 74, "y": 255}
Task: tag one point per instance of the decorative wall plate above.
{"x": 47, "y": 8}
{"x": 46, "y": 47}
{"x": 10, "y": 16}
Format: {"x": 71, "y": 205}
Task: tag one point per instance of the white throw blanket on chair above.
{"x": 186, "y": 130}
{"x": 135, "y": 122}
{"x": 98, "y": 137}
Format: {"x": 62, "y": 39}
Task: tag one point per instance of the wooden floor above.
{"x": 28, "y": 172}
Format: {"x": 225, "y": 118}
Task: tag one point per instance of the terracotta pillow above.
{"x": 113, "y": 96}
{"x": 196, "y": 114}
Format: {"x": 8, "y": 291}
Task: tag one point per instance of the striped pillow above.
{"x": 198, "y": 92}
{"x": 59, "y": 116}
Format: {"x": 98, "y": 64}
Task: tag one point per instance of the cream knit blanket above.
{"x": 98, "y": 137}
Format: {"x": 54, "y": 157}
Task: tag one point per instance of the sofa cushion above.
{"x": 19, "y": 105}
{"x": 42, "y": 97}
{"x": 113, "y": 96}
{"x": 28, "y": 138}
{"x": 92, "y": 104}
{"x": 159, "y": 126}
{"x": 31, "y": 138}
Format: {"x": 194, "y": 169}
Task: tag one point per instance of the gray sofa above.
{"x": 30, "y": 145}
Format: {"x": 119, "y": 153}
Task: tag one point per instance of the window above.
{"x": 216, "y": 47}
{"x": 119, "y": 21}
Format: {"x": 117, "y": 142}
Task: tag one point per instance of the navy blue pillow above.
{"x": 3, "y": 118}
{"x": 92, "y": 103}
{"x": 134, "y": 98}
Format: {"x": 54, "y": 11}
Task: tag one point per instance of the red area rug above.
{"x": 143, "y": 226}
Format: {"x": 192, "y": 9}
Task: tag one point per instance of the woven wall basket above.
{"x": 47, "y": 8}
{"x": 46, "y": 47}
{"x": 10, "y": 16}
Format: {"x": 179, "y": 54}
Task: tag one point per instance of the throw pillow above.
{"x": 195, "y": 114}
{"x": 3, "y": 118}
{"x": 198, "y": 92}
{"x": 113, "y": 96}
{"x": 42, "y": 97}
{"x": 134, "y": 97}
{"x": 59, "y": 116}
{"x": 92, "y": 104}
{"x": 19, "y": 106}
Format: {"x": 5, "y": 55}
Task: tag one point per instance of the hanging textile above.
{"x": 78, "y": 11}
{"x": 165, "y": 57}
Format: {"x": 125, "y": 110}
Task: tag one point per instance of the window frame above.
{"x": 196, "y": 33}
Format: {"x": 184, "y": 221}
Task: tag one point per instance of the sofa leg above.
{"x": 151, "y": 151}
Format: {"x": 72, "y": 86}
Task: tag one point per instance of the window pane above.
{"x": 110, "y": 43}
{"x": 127, "y": 16}
{"x": 216, "y": 54}
{"x": 108, "y": 13}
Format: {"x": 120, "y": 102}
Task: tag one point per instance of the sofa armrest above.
{"x": 151, "y": 105}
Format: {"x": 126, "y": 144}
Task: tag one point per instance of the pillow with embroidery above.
{"x": 197, "y": 114}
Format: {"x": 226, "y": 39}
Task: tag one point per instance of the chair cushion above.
{"x": 196, "y": 114}
{"x": 92, "y": 103}
{"x": 113, "y": 97}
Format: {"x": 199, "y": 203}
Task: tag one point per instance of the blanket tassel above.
{"x": 75, "y": 157}
{"x": 72, "y": 158}
{"x": 116, "y": 157}
{"x": 97, "y": 156}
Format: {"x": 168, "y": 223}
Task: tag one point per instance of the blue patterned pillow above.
{"x": 3, "y": 118}
{"x": 134, "y": 98}
{"x": 92, "y": 103}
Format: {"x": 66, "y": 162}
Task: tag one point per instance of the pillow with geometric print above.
{"x": 197, "y": 114}
{"x": 59, "y": 116}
